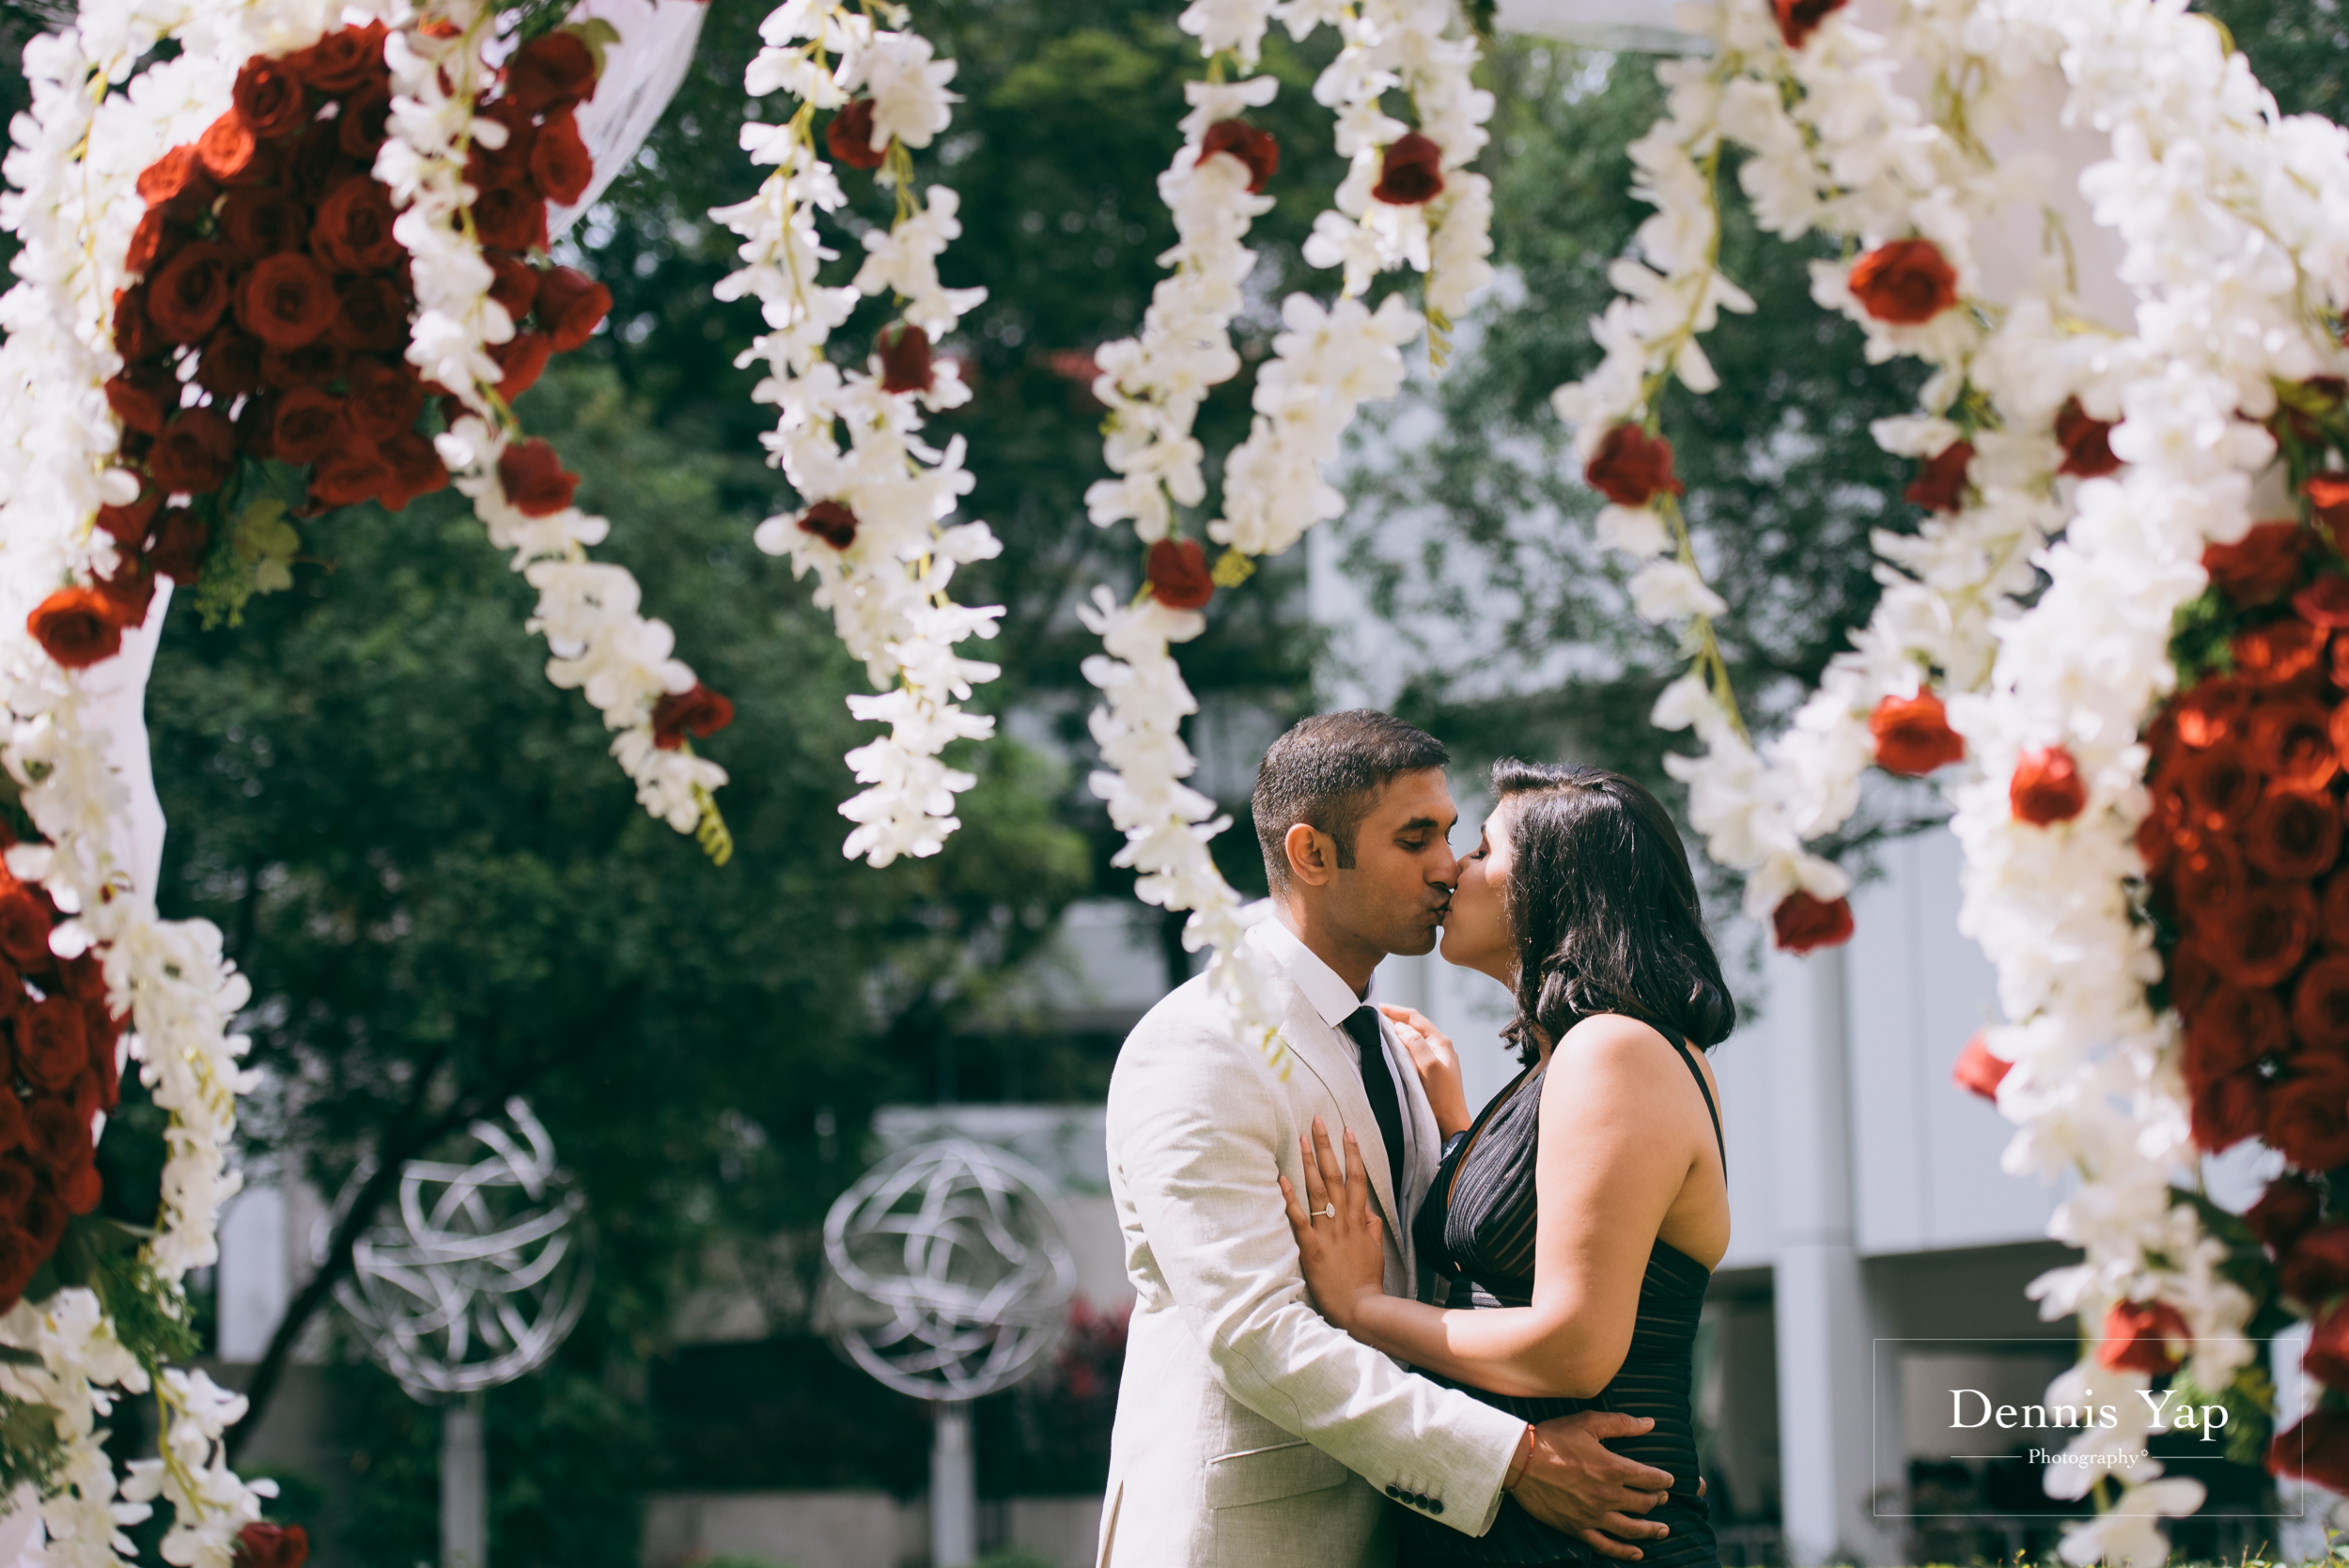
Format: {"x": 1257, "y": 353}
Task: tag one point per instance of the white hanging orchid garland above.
{"x": 587, "y": 611}
{"x": 872, "y": 526}
{"x": 1431, "y": 216}
{"x": 2062, "y": 689}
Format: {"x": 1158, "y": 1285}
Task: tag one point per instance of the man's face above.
{"x": 1395, "y": 895}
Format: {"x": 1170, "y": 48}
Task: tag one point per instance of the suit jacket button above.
{"x": 1395, "y": 1492}
{"x": 1435, "y": 1505}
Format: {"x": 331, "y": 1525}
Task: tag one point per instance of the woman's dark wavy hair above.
{"x": 1603, "y": 909}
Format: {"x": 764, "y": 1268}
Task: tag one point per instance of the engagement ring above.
{"x": 1328, "y": 1211}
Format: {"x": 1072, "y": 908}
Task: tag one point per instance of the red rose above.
{"x": 2086, "y": 443}
{"x": 1257, "y": 149}
{"x": 177, "y": 551}
{"x": 2332, "y": 914}
{"x": 287, "y": 300}
{"x": 24, "y": 922}
{"x": 2320, "y": 1004}
{"x": 195, "y": 454}
{"x": 700, "y": 710}
{"x": 140, "y": 400}
{"x": 77, "y": 628}
{"x": 2230, "y": 1029}
{"x": 508, "y": 164}
{"x": 1631, "y": 466}
{"x": 2324, "y": 602}
{"x": 370, "y": 316}
{"x": 2144, "y": 1336}
{"x": 511, "y": 217}
{"x": 830, "y": 522}
{"x": 2291, "y": 742}
{"x": 2329, "y": 499}
{"x": 384, "y": 401}
{"x": 536, "y": 482}
{"x": 81, "y": 1189}
{"x": 318, "y": 163}
{"x": 131, "y": 587}
{"x": 516, "y": 285}
{"x": 2209, "y": 882}
{"x": 416, "y": 470}
{"x": 44, "y": 1220}
{"x": 1979, "y": 1072}
{"x": 552, "y": 72}
{"x": 2228, "y": 1109}
{"x": 1798, "y": 19}
{"x": 341, "y": 60}
{"x": 360, "y": 128}
{"x": 154, "y": 242}
{"x": 2212, "y": 711}
{"x": 318, "y": 365}
{"x": 230, "y": 364}
{"x": 309, "y": 421}
{"x": 849, "y": 136}
{"x": 2260, "y": 567}
{"x": 177, "y": 182}
{"x": 270, "y": 98}
{"x": 1940, "y": 482}
{"x": 59, "y": 1138}
{"x": 2046, "y": 787}
{"x": 2222, "y": 787}
{"x": 186, "y": 297}
{"x": 231, "y": 153}
{"x": 136, "y": 338}
{"x": 1179, "y": 578}
{"x": 1801, "y": 922}
{"x": 1913, "y": 735}
{"x": 570, "y": 305}
{"x": 262, "y": 1545}
{"x": 559, "y": 163}
{"x": 51, "y": 1047}
{"x": 353, "y": 472}
{"x": 2267, "y": 938}
{"x": 19, "y": 1261}
{"x": 1410, "y": 171}
{"x": 521, "y": 359}
{"x": 2307, "y": 1113}
{"x": 2293, "y": 835}
{"x": 904, "y": 352}
{"x": 16, "y": 1178}
{"x": 1905, "y": 281}
{"x": 2316, "y": 1450}
{"x": 2288, "y": 1207}
{"x": 262, "y": 220}
{"x": 2317, "y": 1267}
{"x": 352, "y": 232}
{"x": 128, "y": 525}
{"x": 2278, "y": 652}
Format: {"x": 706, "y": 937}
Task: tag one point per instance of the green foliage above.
{"x": 30, "y": 1449}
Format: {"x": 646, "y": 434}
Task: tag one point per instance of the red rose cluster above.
{"x": 56, "y": 1072}
{"x": 2243, "y": 850}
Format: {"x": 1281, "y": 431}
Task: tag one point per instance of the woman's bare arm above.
{"x": 1612, "y": 1157}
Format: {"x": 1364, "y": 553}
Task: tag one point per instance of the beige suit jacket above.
{"x": 1249, "y": 1430}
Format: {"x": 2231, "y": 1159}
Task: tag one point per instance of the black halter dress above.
{"x": 1477, "y": 1227}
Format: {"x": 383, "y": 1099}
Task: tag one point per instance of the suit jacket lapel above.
{"x": 1329, "y": 1056}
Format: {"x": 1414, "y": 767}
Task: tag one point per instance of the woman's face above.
{"x": 1476, "y": 933}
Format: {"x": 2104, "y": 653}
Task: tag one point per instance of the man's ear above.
{"x": 1312, "y": 855}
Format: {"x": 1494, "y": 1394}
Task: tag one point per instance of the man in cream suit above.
{"x": 1249, "y": 1430}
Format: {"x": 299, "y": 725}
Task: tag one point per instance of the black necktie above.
{"x": 1378, "y": 1083}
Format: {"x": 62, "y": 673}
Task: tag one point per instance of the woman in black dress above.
{"x": 1580, "y": 1215}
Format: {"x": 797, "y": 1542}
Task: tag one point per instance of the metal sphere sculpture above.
{"x": 485, "y": 1274}
{"x": 950, "y": 1274}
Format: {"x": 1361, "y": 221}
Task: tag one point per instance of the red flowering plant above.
{"x": 2246, "y": 889}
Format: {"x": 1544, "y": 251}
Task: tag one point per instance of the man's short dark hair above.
{"x": 1326, "y": 772}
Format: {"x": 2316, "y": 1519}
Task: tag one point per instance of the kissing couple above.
{"x": 1369, "y": 1327}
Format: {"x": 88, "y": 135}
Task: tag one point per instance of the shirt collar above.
{"x": 1331, "y": 997}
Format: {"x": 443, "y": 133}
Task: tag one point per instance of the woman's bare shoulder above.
{"x": 1611, "y": 1053}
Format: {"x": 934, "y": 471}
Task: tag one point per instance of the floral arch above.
{"x": 298, "y": 260}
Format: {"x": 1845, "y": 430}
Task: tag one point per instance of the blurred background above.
{"x": 445, "y": 897}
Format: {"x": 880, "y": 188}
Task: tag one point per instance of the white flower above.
{"x": 1672, "y": 591}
